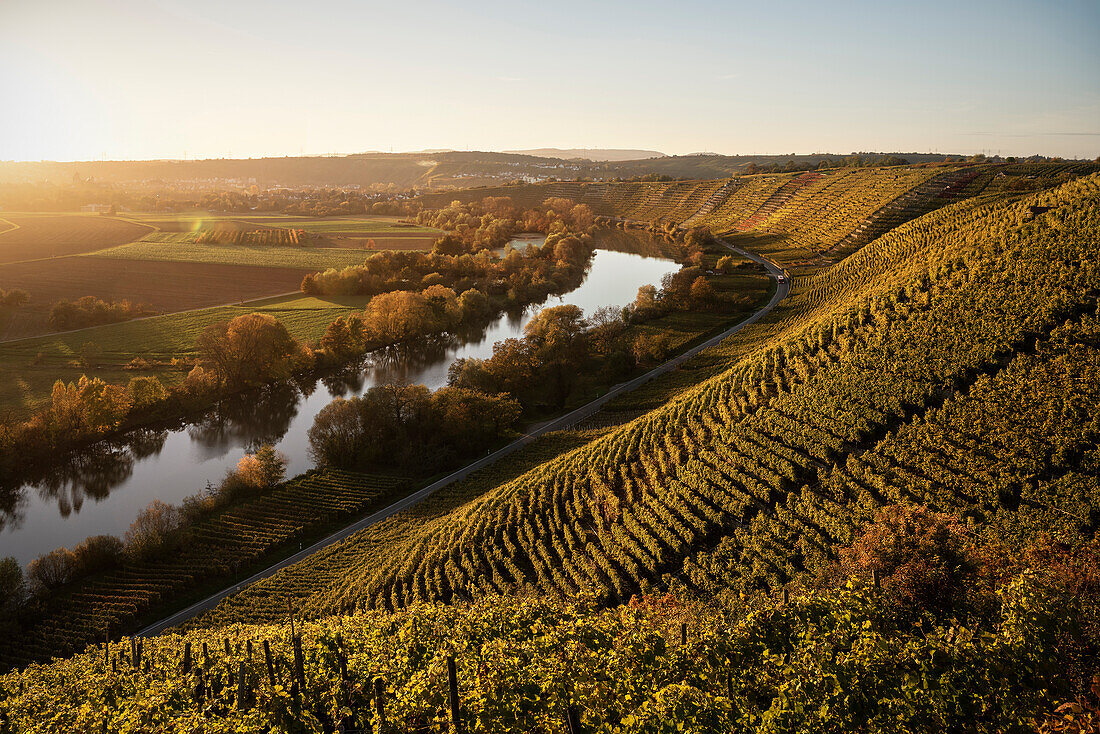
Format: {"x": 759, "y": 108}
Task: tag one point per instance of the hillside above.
{"x": 592, "y": 154}
{"x": 749, "y": 479}
{"x": 444, "y": 169}
{"x": 950, "y": 363}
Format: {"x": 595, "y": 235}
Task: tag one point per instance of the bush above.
{"x": 12, "y": 588}
{"x": 153, "y": 531}
{"x": 52, "y": 570}
{"x": 920, "y": 556}
{"x": 97, "y": 553}
{"x": 263, "y": 469}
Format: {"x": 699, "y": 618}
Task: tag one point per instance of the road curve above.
{"x": 575, "y": 416}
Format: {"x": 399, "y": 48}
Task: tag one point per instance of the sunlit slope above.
{"x": 807, "y": 213}
{"x": 900, "y": 374}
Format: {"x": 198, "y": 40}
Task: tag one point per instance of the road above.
{"x": 781, "y": 291}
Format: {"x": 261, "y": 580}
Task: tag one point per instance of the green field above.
{"x": 341, "y": 225}
{"x": 180, "y": 247}
{"x": 31, "y": 366}
{"x": 323, "y": 225}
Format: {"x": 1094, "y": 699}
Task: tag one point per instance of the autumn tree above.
{"x": 702, "y": 292}
{"x": 397, "y": 316}
{"x": 561, "y": 347}
{"x": 264, "y": 468}
{"x": 52, "y": 570}
{"x": 247, "y": 351}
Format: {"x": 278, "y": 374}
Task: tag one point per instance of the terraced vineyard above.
{"x": 950, "y": 364}
{"x": 216, "y": 550}
{"x": 749, "y": 479}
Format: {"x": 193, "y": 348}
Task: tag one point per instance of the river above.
{"x": 101, "y": 490}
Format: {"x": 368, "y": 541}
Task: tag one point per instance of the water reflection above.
{"x": 88, "y": 474}
{"x": 249, "y": 420}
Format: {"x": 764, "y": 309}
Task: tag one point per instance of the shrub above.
{"x": 12, "y": 587}
{"x": 920, "y": 556}
{"x": 145, "y": 391}
{"x": 153, "y": 531}
{"x": 263, "y": 469}
{"x": 52, "y": 570}
{"x": 97, "y": 553}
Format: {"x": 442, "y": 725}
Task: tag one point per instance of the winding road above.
{"x": 782, "y": 289}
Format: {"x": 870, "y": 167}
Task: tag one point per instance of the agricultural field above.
{"x": 32, "y": 365}
{"x": 166, "y": 287}
{"x": 350, "y": 232}
{"x": 175, "y": 247}
{"x": 36, "y": 236}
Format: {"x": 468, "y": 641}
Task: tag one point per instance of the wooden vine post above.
{"x": 299, "y": 665}
{"x": 573, "y": 719}
{"x": 242, "y": 687}
{"x": 380, "y": 703}
{"x": 452, "y": 693}
{"x": 186, "y": 658}
{"x": 270, "y": 664}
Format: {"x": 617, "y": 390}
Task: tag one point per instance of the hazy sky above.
{"x": 86, "y": 79}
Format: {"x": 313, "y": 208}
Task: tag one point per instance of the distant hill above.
{"x": 424, "y": 170}
{"x": 592, "y": 154}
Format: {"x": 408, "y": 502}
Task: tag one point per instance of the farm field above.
{"x": 32, "y": 365}
{"x": 165, "y": 287}
{"x": 388, "y": 233}
{"x": 161, "y": 247}
{"x": 357, "y": 232}
{"x": 342, "y": 225}
{"x": 38, "y": 236}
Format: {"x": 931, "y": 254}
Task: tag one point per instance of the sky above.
{"x": 139, "y": 79}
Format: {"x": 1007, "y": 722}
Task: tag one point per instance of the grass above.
{"x": 174, "y": 247}
{"x": 341, "y": 225}
{"x": 321, "y": 225}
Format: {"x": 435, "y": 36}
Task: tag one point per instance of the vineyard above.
{"x": 659, "y": 567}
{"x": 826, "y": 661}
{"x": 749, "y": 479}
{"x": 810, "y": 218}
{"x": 254, "y": 237}
{"x": 216, "y": 549}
